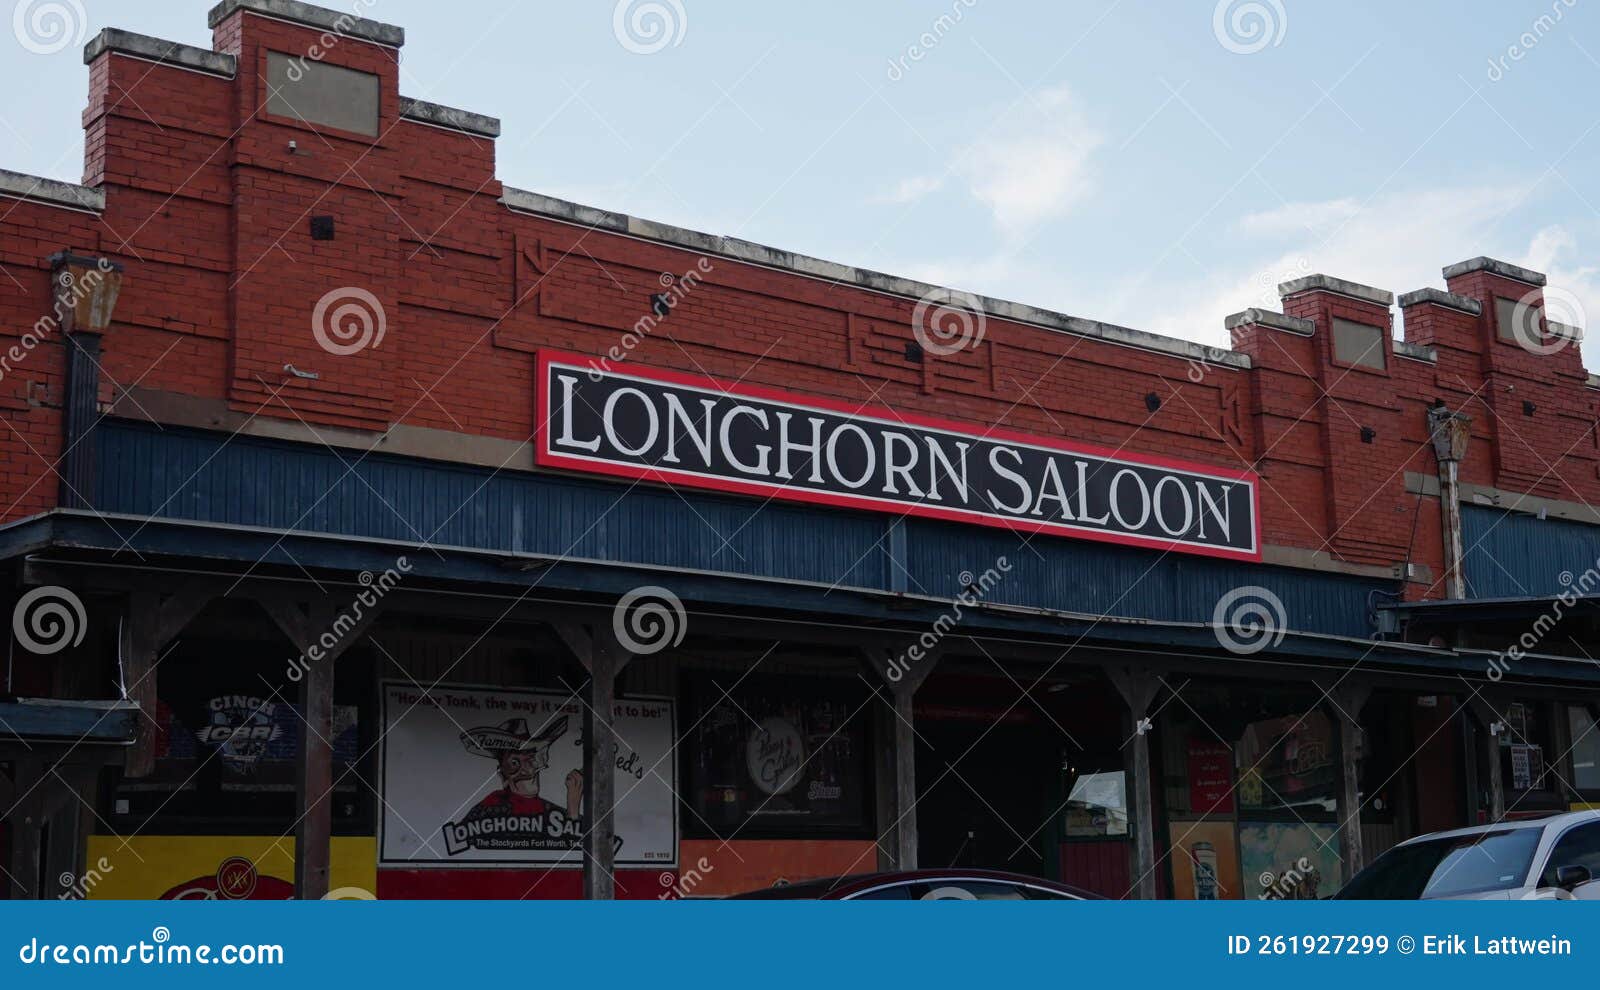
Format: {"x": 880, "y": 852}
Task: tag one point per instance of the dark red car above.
{"x": 925, "y": 885}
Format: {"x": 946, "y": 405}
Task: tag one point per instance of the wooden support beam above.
{"x": 902, "y": 672}
{"x": 26, "y": 821}
{"x": 154, "y": 619}
{"x": 1139, "y": 689}
{"x": 1344, "y": 705}
{"x": 321, "y": 633}
{"x": 604, "y": 657}
{"x": 1490, "y": 716}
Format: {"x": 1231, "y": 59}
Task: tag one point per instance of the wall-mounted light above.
{"x": 661, "y": 305}
{"x": 913, "y": 352}
{"x": 322, "y": 228}
{"x": 1152, "y": 402}
{"x": 1368, "y": 434}
{"x": 1528, "y": 408}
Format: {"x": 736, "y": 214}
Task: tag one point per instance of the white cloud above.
{"x": 910, "y": 190}
{"x": 1034, "y": 163}
{"x": 1398, "y": 241}
{"x": 1300, "y": 219}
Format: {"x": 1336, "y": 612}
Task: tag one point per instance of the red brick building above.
{"x": 287, "y": 443}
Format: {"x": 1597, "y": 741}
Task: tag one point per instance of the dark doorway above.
{"x": 993, "y": 808}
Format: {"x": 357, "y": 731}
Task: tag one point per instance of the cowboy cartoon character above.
{"x": 521, "y": 757}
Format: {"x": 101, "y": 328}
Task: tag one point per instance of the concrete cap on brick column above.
{"x": 1268, "y": 318}
{"x": 1327, "y": 283}
{"x": 343, "y": 23}
{"x": 1563, "y": 330}
{"x": 1439, "y": 297}
{"x": 1504, "y": 269}
{"x": 163, "y": 52}
{"x": 449, "y": 117}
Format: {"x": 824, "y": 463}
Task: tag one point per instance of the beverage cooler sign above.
{"x": 484, "y": 777}
{"x": 697, "y": 432}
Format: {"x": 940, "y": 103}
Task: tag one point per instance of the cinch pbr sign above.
{"x": 693, "y": 431}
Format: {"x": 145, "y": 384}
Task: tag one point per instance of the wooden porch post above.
{"x": 902, "y": 673}
{"x": 306, "y": 626}
{"x": 1345, "y": 703}
{"x": 1139, "y": 689}
{"x": 27, "y": 827}
{"x": 153, "y": 621}
{"x": 1491, "y": 722}
{"x": 604, "y": 657}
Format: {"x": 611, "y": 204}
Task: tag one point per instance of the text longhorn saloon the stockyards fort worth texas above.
{"x": 564, "y": 553}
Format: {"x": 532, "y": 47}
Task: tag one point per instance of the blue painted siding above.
{"x": 252, "y": 482}
{"x": 1513, "y": 555}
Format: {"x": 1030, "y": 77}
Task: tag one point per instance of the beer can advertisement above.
{"x": 484, "y": 777}
{"x": 1205, "y": 862}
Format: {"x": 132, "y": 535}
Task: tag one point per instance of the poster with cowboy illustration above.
{"x": 494, "y": 777}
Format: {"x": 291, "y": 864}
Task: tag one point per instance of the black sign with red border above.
{"x": 698, "y": 432}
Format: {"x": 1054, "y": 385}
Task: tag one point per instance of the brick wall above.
{"x": 210, "y": 210}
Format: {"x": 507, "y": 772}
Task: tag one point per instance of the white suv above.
{"x": 1555, "y": 858}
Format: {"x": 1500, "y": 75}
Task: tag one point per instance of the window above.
{"x": 1579, "y": 847}
{"x": 1287, "y": 770}
{"x": 1468, "y": 864}
{"x": 322, "y": 94}
{"x": 777, "y": 757}
{"x": 1517, "y": 324}
{"x": 1585, "y": 749}
{"x": 1097, "y": 805}
{"x": 1523, "y": 746}
{"x": 1359, "y": 344}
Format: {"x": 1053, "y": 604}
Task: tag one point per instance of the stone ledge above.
{"x": 35, "y": 189}
{"x": 449, "y": 117}
{"x": 1327, "y": 283}
{"x": 1440, "y": 297}
{"x": 1504, "y": 269}
{"x": 524, "y": 201}
{"x": 1269, "y": 318}
{"x": 1565, "y": 331}
{"x": 164, "y": 52}
{"x": 1416, "y": 352}
{"x": 342, "y": 23}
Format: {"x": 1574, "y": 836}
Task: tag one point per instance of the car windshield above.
{"x": 1448, "y": 867}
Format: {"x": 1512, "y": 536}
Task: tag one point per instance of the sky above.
{"x": 1154, "y": 164}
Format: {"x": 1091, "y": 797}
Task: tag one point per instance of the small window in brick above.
{"x": 321, "y": 94}
{"x": 1517, "y": 324}
{"x": 1359, "y": 344}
